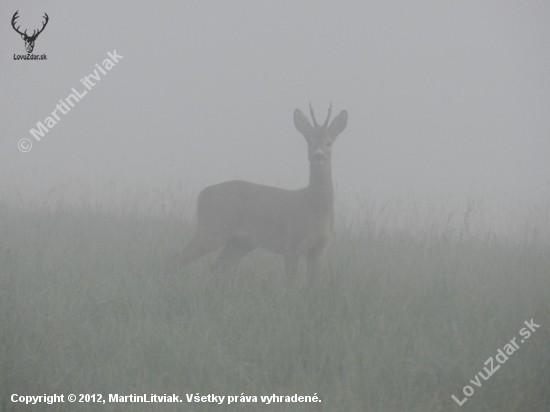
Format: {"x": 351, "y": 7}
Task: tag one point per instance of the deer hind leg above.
{"x": 198, "y": 246}
{"x": 234, "y": 250}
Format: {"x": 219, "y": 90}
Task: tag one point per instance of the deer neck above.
{"x": 320, "y": 190}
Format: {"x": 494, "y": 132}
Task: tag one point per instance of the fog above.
{"x": 440, "y": 252}
{"x": 444, "y": 98}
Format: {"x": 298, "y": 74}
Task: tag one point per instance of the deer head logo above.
{"x": 29, "y": 40}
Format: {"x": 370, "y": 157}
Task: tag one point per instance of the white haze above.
{"x": 446, "y": 100}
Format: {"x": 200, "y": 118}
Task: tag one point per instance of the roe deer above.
{"x": 240, "y": 216}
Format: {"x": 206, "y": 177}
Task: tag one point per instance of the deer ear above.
{"x": 302, "y": 123}
{"x": 338, "y": 124}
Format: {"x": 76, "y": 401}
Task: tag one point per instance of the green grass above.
{"x": 397, "y": 321}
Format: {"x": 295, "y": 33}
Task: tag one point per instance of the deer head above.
{"x": 29, "y": 40}
{"x": 320, "y": 138}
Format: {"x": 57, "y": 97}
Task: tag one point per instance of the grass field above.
{"x": 400, "y": 320}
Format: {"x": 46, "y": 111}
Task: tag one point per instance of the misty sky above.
{"x": 449, "y": 97}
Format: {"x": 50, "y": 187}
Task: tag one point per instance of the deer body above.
{"x": 240, "y": 216}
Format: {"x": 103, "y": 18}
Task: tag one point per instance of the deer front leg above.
{"x": 314, "y": 261}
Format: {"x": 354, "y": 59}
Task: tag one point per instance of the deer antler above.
{"x": 328, "y": 117}
{"x": 34, "y": 33}
{"x": 15, "y": 17}
{"x": 313, "y": 116}
{"x": 43, "y": 27}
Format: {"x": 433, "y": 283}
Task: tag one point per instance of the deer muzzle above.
{"x": 319, "y": 157}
